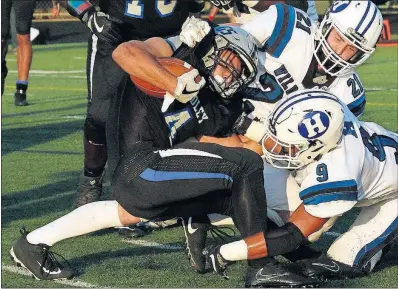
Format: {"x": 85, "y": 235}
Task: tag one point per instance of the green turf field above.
{"x": 42, "y": 157}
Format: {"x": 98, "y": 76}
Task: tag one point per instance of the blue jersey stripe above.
{"x": 370, "y": 22}
{"x": 288, "y": 34}
{"x": 160, "y": 176}
{"x": 326, "y": 198}
{"x": 357, "y": 106}
{"x": 278, "y": 25}
{"x": 363, "y": 17}
{"x": 377, "y": 241}
{"x": 332, "y": 187}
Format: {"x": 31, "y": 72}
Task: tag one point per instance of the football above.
{"x": 175, "y": 66}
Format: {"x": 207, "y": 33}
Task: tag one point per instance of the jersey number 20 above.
{"x": 135, "y": 8}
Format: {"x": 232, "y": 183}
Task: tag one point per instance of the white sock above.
{"x": 85, "y": 219}
{"x": 234, "y": 251}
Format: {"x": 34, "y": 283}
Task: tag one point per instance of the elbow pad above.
{"x": 284, "y": 239}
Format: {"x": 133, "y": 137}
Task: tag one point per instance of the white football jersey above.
{"x": 287, "y": 63}
{"x": 361, "y": 171}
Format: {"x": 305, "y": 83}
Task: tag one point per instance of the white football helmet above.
{"x": 302, "y": 128}
{"x": 242, "y": 44}
{"x": 358, "y": 22}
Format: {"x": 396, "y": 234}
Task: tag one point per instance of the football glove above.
{"x": 186, "y": 89}
{"x": 224, "y": 5}
{"x": 193, "y": 31}
{"x": 103, "y": 27}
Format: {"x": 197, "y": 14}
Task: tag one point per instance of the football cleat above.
{"x": 325, "y": 268}
{"x": 89, "y": 190}
{"x": 145, "y": 227}
{"x": 276, "y": 276}
{"x": 38, "y": 260}
{"x": 134, "y": 231}
{"x": 195, "y": 240}
{"x": 215, "y": 261}
{"x": 20, "y": 98}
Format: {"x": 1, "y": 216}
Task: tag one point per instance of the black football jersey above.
{"x": 208, "y": 113}
{"x": 142, "y": 19}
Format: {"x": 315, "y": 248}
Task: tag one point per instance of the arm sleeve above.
{"x": 78, "y": 8}
{"x": 284, "y": 239}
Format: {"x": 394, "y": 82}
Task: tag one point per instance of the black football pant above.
{"x": 103, "y": 79}
{"x": 192, "y": 179}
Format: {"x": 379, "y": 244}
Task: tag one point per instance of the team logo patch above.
{"x": 314, "y": 124}
{"x": 339, "y": 6}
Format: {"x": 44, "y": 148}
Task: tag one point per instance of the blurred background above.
{"x": 66, "y": 29}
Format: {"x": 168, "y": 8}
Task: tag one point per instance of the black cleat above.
{"x": 145, "y": 227}
{"x": 195, "y": 240}
{"x": 38, "y": 260}
{"x": 215, "y": 261}
{"x": 276, "y": 276}
{"x": 134, "y": 231}
{"x": 89, "y": 191}
{"x": 324, "y": 268}
{"x": 20, "y": 98}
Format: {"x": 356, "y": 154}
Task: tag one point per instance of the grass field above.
{"x": 41, "y": 161}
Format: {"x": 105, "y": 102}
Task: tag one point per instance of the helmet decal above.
{"x": 339, "y": 6}
{"x": 313, "y": 125}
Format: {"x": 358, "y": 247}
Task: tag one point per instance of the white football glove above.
{"x": 193, "y": 31}
{"x": 186, "y": 89}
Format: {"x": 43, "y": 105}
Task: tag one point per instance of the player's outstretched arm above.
{"x": 138, "y": 58}
{"x": 234, "y": 141}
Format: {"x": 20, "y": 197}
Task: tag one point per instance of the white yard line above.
{"x": 74, "y": 117}
{"x": 380, "y": 89}
{"x": 152, "y": 244}
{"x": 74, "y": 283}
{"x": 35, "y": 71}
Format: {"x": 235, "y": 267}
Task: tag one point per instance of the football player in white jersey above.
{"x": 313, "y": 133}
{"x": 298, "y": 54}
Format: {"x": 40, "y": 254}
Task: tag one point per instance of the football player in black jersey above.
{"x": 117, "y": 21}
{"x": 192, "y": 178}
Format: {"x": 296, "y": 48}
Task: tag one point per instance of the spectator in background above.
{"x": 245, "y": 10}
{"x": 23, "y": 21}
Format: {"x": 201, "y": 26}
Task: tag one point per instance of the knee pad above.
{"x": 94, "y": 132}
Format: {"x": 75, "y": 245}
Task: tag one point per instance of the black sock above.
{"x": 22, "y": 86}
{"x": 93, "y": 173}
{"x": 261, "y": 262}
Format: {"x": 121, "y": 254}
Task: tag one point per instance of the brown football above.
{"x": 175, "y": 66}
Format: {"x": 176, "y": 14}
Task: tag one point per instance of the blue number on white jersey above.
{"x": 135, "y": 8}
{"x": 375, "y": 144}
